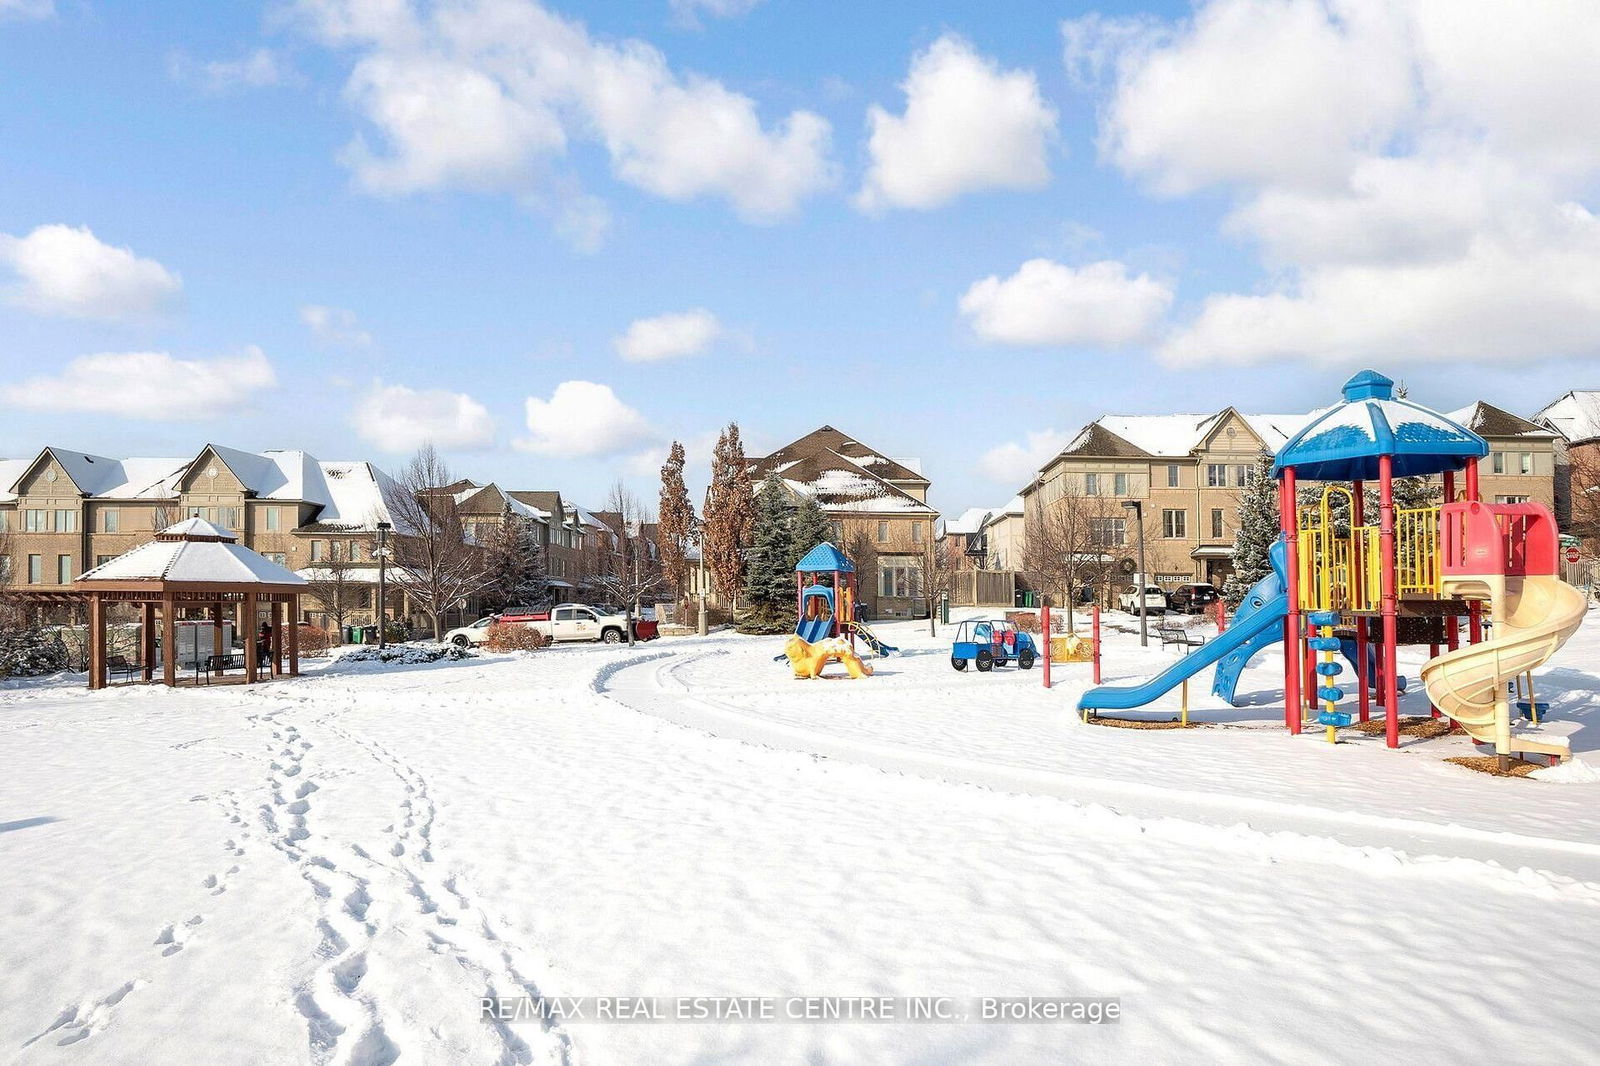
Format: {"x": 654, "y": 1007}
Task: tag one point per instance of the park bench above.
{"x": 1179, "y": 636}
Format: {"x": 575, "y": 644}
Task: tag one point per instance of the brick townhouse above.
{"x": 879, "y": 509}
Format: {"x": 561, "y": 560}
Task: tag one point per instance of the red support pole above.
{"x": 1391, "y": 624}
{"x": 1044, "y": 630}
{"x": 1096, "y": 643}
{"x": 1289, "y": 521}
{"x": 1474, "y": 609}
{"x": 1222, "y": 616}
{"x": 1433, "y": 653}
{"x": 1358, "y": 518}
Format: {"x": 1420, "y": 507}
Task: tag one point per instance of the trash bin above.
{"x": 369, "y": 634}
{"x": 944, "y": 609}
{"x": 1021, "y": 599}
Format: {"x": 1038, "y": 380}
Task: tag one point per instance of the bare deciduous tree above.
{"x": 334, "y": 586}
{"x": 1075, "y": 541}
{"x": 634, "y": 574}
{"x": 432, "y": 553}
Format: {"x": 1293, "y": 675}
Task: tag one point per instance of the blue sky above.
{"x": 1238, "y": 203}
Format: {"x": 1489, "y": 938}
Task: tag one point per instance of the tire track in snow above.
{"x": 667, "y": 697}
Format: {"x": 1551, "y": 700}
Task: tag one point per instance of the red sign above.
{"x": 1572, "y": 555}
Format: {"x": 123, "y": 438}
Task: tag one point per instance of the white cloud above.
{"x": 66, "y": 270}
{"x": 1414, "y": 173}
{"x": 335, "y": 325}
{"x": 669, "y": 336}
{"x": 259, "y": 69}
{"x": 1047, "y": 304}
{"x": 487, "y": 94}
{"x": 1012, "y": 463}
{"x": 689, "y": 10}
{"x": 148, "y": 385}
{"x": 583, "y": 419}
{"x": 397, "y": 418}
{"x": 1259, "y": 90}
{"x": 967, "y": 126}
{"x": 26, "y": 10}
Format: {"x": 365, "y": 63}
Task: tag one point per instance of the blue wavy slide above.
{"x": 1258, "y": 623}
{"x": 812, "y": 630}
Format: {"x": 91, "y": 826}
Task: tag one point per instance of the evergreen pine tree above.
{"x": 1258, "y": 528}
{"x": 769, "y": 579}
{"x": 811, "y": 526}
{"x": 514, "y": 563}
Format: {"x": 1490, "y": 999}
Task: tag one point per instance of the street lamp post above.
{"x": 700, "y": 625}
{"x": 383, "y": 605}
{"x": 1137, "y": 507}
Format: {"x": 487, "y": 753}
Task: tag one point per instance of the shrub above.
{"x": 766, "y": 619}
{"x": 511, "y": 636}
{"x": 30, "y": 652}
{"x": 1026, "y": 621}
{"x": 407, "y": 654}
{"x": 314, "y": 641}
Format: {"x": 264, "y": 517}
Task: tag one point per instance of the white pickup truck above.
{"x": 565, "y": 622}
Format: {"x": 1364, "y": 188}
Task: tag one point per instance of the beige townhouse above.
{"x": 879, "y": 509}
{"x": 1186, "y": 472}
{"x": 66, "y": 511}
{"x": 1575, "y": 418}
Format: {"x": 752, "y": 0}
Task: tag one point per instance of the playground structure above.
{"x": 825, "y": 614}
{"x": 991, "y": 643}
{"x": 1342, "y": 583}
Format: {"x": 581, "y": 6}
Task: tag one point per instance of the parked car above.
{"x": 565, "y": 622}
{"x": 1193, "y": 597}
{"x": 988, "y": 644}
{"x": 1153, "y": 602}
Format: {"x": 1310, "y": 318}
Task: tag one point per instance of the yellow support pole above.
{"x": 1186, "y": 702}
{"x": 1533, "y": 701}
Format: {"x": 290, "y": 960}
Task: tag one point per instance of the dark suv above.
{"x": 1193, "y": 597}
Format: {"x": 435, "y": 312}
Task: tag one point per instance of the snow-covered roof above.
{"x": 193, "y": 552}
{"x": 1576, "y": 416}
{"x": 969, "y": 521}
{"x": 1177, "y": 436}
{"x": 1487, "y": 420}
{"x": 99, "y": 475}
{"x": 11, "y": 470}
{"x": 844, "y": 475}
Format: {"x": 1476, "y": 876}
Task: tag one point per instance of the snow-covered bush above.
{"x": 30, "y": 652}
{"x": 509, "y": 636}
{"x": 407, "y": 654}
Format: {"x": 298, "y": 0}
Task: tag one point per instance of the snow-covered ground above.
{"x": 335, "y": 869}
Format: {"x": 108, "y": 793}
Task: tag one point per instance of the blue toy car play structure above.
{"x": 989, "y": 644}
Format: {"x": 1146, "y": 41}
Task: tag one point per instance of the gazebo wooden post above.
{"x": 250, "y": 663}
{"x": 216, "y": 629}
{"x": 294, "y": 635}
{"x": 147, "y": 640}
{"x": 169, "y": 640}
{"x": 275, "y": 612}
{"x": 97, "y": 641}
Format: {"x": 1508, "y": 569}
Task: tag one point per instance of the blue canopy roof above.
{"x": 1344, "y": 442}
{"x": 824, "y": 559}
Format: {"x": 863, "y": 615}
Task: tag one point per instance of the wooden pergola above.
{"x": 194, "y": 566}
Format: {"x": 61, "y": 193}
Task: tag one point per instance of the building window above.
{"x": 1091, "y": 484}
{"x": 111, "y": 520}
{"x": 1108, "y": 532}
{"x": 1241, "y": 477}
{"x": 35, "y": 569}
{"x": 900, "y": 577}
{"x": 1119, "y": 484}
{"x": 1513, "y": 499}
{"x": 5, "y": 521}
{"x": 33, "y": 521}
{"x": 101, "y": 560}
{"x": 316, "y": 551}
{"x": 883, "y": 532}
{"x": 1216, "y": 475}
{"x": 63, "y": 569}
{"x": 66, "y": 521}
{"x": 1512, "y": 462}
{"x": 916, "y": 533}
{"x": 1172, "y": 476}
{"x": 271, "y": 520}
{"x": 1216, "y": 523}
{"x": 1173, "y": 580}
{"x": 5, "y": 569}
{"x": 1174, "y": 524}
{"x": 278, "y": 557}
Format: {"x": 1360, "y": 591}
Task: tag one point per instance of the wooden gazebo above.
{"x": 194, "y": 565}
